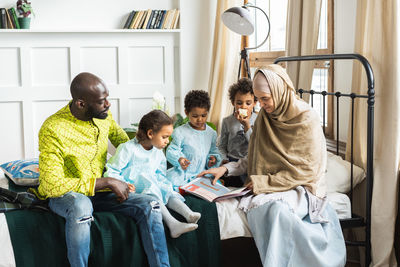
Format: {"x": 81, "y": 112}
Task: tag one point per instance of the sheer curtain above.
{"x": 301, "y": 39}
{"x": 224, "y": 65}
{"x": 377, "y": 39}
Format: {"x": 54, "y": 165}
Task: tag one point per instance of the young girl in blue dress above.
{"x": 142, "y": 164}
{"x": 193, "y": 146}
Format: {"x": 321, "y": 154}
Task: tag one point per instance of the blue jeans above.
{"x": 77, "y": 209}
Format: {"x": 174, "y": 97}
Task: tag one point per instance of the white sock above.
{"x": 180, "y": 207}
{"x": 176, "y": 228}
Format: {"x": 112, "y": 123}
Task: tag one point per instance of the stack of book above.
{"x": 8, "y": 19}
{"x": 153, "y": 19}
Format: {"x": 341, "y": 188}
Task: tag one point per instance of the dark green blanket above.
{"x": 38, "y": 239}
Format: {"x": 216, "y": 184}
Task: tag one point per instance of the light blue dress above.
{"x": 195, "y": 145}
{"x": 146, "y": 169}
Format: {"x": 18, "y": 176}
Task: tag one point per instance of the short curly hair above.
{"x": 197, "y": 99}
{"x": 154, "y": 120}
{"x": 243, "y": 86}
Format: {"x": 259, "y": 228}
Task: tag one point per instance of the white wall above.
{"x": 344, "y": 36}
{"x": 28, "y": 94}
{"x": 197, "y": 28}
{"x": 87, "y": 14}
{"x": 197, "y": 23}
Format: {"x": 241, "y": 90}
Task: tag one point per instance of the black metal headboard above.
{"x": 355, "y": 220}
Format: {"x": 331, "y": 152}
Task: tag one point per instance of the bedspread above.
{"x": 38, "y": 239}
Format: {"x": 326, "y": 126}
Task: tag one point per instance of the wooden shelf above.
{"x": 88, "y": 31}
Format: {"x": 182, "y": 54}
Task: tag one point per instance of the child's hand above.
{"x": 184, "y": 162}
{"x": 224, "y": 161}
{"x": 131, "y": 187}
{"x": 211, "y": 161}
{"x": 244, "y": 120}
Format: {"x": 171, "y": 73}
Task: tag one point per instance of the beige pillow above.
{"x": 337, "y": 174}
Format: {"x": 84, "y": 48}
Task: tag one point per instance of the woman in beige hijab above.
{"x": 288, "y": 214}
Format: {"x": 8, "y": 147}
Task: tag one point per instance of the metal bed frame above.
{"x": 355, "y": 220}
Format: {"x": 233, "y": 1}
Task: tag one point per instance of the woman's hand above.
{"x": 211, "y": 161}
{"x": 249, "y": 185}
{"x": 216, "y": 172}
{"x": 184, "y": 162}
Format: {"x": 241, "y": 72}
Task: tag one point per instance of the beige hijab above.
{"x": 287, "y": 147}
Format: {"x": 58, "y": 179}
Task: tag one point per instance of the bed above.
{"x": 222, "y": 239}
{"x": 117, "y": 241}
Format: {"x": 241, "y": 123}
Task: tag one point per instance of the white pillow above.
{"x": 337, "y": 174}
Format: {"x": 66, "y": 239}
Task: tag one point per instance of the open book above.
{"x": 203, "y": 188}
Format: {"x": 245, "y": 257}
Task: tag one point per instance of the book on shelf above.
{"x": 10, "y": 24}
{"x": 134, "y": 19}
{"x": 14, "y": 18}
{"x": 3, "y": 18}
{"x": 153, "y": 19}
{"x": 159, "y": 13}
{"x": 166, "y": 16}
{"x": 146, "y": 21}
{"x": 137, "y": 19}
{"x": 141, "y": 21}
{"x": 149, "y": 19}
{"x": 176, "y": 19}
{"x": 129, "y": 20}
{"x": 159, "y": 17}
{"x": 168, "y": 24}
{"x": 203, "y": 188}
{"x": 162, "y": 18}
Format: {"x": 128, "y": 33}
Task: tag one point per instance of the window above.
{"x": 275, "y": 47}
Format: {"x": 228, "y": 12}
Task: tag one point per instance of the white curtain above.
{"x": 377, "y": 40}
{"x": 302, "y": 29}
{"x": 224, "y": 64}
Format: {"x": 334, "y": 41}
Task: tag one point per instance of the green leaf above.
{"x": 212, "y": 125}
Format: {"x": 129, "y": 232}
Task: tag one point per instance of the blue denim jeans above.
{"x": 77, "y": 209}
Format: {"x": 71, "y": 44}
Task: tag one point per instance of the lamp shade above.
{"x": 238, "y": 19}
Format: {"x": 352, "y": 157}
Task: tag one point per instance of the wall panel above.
{"x": 10, "y": 71}
{"x": 50, "y": 66}
{"x": 101, "y": 61}
{"x": 11, "y": 134}
{"x": 36, "y": 69}
{"x": 153, "y": 56}
{"x": 137, "y": 108}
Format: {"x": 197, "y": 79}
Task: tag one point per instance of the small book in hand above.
{"x": 203, "y": 188}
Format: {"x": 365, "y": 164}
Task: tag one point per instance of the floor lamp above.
{"x": 238, "y": 20}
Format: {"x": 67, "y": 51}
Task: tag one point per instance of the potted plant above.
{"x": 24, "y": 10}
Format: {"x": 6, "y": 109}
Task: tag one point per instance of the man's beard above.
{"x": 90, "y": 113}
